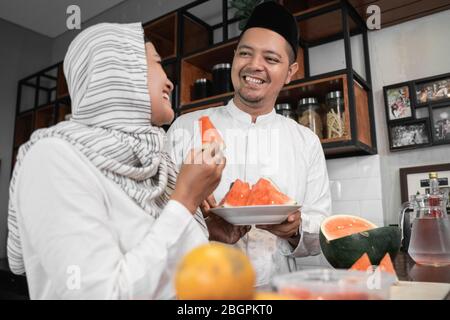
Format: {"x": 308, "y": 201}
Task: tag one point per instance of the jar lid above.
{"x": 201, "y": 80}
{"x": 283, "y": 106}
{"x": 305, "y": 101}
{"x": 222, "y": 66}
{"x": 334, "y": 94}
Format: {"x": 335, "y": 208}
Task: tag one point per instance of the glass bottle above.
{"x": 335, "y": 119}
{"x": 285, "y": 109}
{"x": 309, "y": 115}
{"x": 435, "y": 200}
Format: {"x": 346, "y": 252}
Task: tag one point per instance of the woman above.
{"x": 94, "y": 211}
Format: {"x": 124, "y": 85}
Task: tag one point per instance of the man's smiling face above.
{"x": 260, "y": 67}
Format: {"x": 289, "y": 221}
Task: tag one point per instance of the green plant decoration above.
{"x": 243, "y": 9}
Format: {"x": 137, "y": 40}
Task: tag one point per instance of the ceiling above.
{"x": 398, "y": 11}
{"x": 48, "y": 17}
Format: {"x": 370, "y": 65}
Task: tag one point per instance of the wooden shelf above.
{"x": 163, "y": 34}
{"x": 61, "y": 86}
{"x": 24, "y": 128}
{"x": 185, "y": 44}
{"x": 200, "y": 65}
{"x": 320, "y": 28}
{"x": 63, "y": 110}
{"x": 196, "y": 36}
{"x": 44, "y": 117}
{"x": 319, "y": 88}
{"x": 202, "y": 107}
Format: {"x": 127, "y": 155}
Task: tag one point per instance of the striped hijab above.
{"x": 106, "y": 72}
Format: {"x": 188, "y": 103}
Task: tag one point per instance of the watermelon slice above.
{"x": 362, "y": 264}
{"x": 209, "y": 133}
{"x": 386, "y": 265}
{"x": 264, "y": 192}
{"x": 238, "y": 194}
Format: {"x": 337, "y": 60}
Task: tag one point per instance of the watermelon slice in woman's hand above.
{"x": 209, "y": 133}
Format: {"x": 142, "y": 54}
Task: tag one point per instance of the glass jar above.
{"x": 309, "y": 115}
{"x": 202, "y": 88}
{"x": 335, "y": 116}
{"x": 222, "y": 78}
{"x": 286, "y": 110}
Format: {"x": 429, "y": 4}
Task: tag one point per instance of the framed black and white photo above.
{"x": 408, "y": 135}
{"x": 433, "y": 89}
{"x": 398, "y": 102}
{"x": 440, "y": 123}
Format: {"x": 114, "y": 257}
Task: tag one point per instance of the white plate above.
{"x": 249, "y": 215}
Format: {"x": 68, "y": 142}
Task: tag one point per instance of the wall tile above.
{"x": 346, "y": 207}
{"x": 372, "y": 210}
{"x": 368, "y": 166}
{"x": 339, "y": 169}
{"x": 357, "y": 189}
{"x": 336, "y": 190}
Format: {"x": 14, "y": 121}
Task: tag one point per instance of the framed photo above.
{"x": 411, "y": 134}
{"x": 433, "y": 89}
{"x": 415, "y": 180}
{"x": 440, "y": 123}
{"x": 398, "y": 102}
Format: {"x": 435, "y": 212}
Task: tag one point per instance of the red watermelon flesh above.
{"x": 386, "y": 265}
{"x": 209, "y": 132}
{"x": 362, "y": 264}
{"x": 264, "y": 192}
{"x": 238, "y": 194}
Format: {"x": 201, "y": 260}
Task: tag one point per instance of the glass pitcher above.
{"x": 425, "y": 222}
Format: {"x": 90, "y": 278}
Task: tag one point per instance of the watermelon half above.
{"x": 345, "y": 238}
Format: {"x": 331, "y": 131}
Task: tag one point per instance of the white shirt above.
{"x": 84, "y": 238}
{"x": 274, "y": 147}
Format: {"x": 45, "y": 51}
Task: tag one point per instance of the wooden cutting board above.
{"x": 410, "y": 290}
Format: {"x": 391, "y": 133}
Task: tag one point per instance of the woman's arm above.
{"x": 65, "y": 217}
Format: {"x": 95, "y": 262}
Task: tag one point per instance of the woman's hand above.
{"x": 199, "y": 176}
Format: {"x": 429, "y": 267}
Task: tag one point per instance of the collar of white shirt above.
{"x": 246, "y": 118}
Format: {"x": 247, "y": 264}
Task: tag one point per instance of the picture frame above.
{"x": 409, "y": 134}
{"x": 415, "y": 180}
{"x": 432, "y": 89}
{"x": 398, "y": 102}
{"x": 440, "y": 122}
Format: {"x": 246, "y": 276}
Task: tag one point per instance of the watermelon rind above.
{"x": 343, "y": 252}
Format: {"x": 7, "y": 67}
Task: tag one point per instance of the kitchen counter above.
{"x": 408, "y": 270}
{"x": 418, "y": 281}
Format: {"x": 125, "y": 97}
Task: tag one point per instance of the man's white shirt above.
{"x": 273, "y": 147}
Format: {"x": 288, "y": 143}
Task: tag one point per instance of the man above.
{"x": 260, "y": 143}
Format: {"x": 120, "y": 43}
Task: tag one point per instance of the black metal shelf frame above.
{"x": 347, "y": 11}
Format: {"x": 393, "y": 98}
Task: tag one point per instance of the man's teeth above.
{"x": 166, "y": 96}
{"x": 253, "y": 80}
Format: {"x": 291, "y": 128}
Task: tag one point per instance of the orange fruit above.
{"x": 215, "y": 271}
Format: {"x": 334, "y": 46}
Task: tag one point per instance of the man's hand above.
{"x": 219, "y": 229}
{"x": 288, "y": 229}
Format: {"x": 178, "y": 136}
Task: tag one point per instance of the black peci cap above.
{"x": 275, "y": 17}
